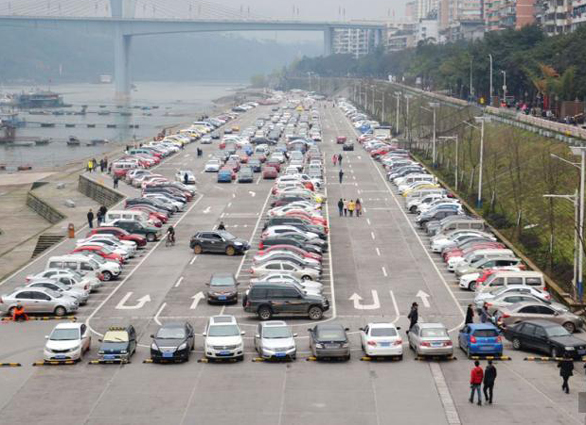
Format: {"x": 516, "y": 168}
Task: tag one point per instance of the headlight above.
{"x": 569, "y": 348}
{"x": 318, "y": 345}
{"x": 237, "y": 243}
{"x": 154, "y": 346}
{"x": 123, "y": 351}
{"x": 77, "y": 347}
{"x": 345, "y": 345}
{"x": 182, "y": 346}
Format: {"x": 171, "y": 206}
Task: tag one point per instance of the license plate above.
{"x": 280, "y": 354}
{"x": 580, "y": 352}
{"x": 167, "y": 355}
{"x": 60, "y": 356}
{"x": 332, "y": 346}
{"x": 222, "y": 298}
{"x": 385, "y": 344}
{"x": 437, "y": 344}
{"x": 109, "y": 357}
{"x": 486, "y": 348}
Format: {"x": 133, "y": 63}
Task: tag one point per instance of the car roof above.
{"x": 273, "y": 323}
{"x": 222, "y": 274}
{"x": 381, "y": 325}
{"x": 173, "y": 325}
{"x": 223, "y": 319}
{"x": 330, "y": 326}
{"x": 68, "y": 326}
{"x": 431, "y": 325}
{"x": 481, "y": 326}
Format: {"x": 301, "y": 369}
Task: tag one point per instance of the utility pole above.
{"x": 398, "y": 96}
{"x": 457, "y": 158}
{"x": 490, "y": 93}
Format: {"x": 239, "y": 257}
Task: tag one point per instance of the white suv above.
{"x": 223, "y": 338}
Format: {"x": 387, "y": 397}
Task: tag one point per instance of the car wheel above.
{"x": 516, "y": 344}
{"x": 150, "y": 237}
{"x": 570, "y": 327}
{"x": 306, "y": 277}
{"x": 413, "y": 209}
{"x": 107, "y": 276}
{"x": 230, "y": 250}
{"x": 265, "y": 313}
{"x": 60, "y": 311}
{"x": 347, "y": 358}
{"x": 197, "y": 249}
{"x": 472, "y": 286}
{"x": 315, "y": 313}
{"x": 400, "y": 357}
{"x": 11, "y": 311}
{"x": 240, "y": 358}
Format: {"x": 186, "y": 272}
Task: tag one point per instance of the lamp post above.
{"x": 408, "y": 122}
{"x": 433, "y": 106}
{"x": 581, "y": 150}
{"x": 372, "y": 105}
{"x": 398, "y": 97}
{"x": 490, "y": 92}
{"x": 504, "y": 85}
{"x": 482, "y": 120}
{"x": 457, "y": 151}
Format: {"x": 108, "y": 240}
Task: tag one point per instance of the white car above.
{"x": 206, "y": 140}
{"x": 81, "y": 280}
{"x": 275, "y": 340}
{"x": 441, "y": 242}
{"x": 68, "y": 341}
{"x": 483, "y": 297}
{"x": 213, "y": 166}
{"x": 307, "y": 285}
{"x": 81, "y": 294}
{"x": 278, "y": 266}
{"x": 280, "y": 229}
{"x": 121, "y": 250}
{"x": 280, "y": 253}
{"x": 180, "y": 177}
{"x": 223, "y": 338}
{"x": 112, "y": 240}
{"x": 381, "y": 339}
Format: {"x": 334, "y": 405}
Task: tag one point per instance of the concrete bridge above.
{"x": 124, "y": 26}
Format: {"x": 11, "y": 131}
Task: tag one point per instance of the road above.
{"x": 378, "y": 264}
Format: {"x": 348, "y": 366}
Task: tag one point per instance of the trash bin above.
{"x": 71, "y": 231}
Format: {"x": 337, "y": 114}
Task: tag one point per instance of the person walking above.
{"x": 340, "y": 159}
{"x": 94, "y": 164}
{"x": 90, "y": 218}
{"x": 103, "y": 210}
{"x": 99, "y": 218}
{"x": 341, "y": 175}
{"x": 413, "y": 315}
{"x": 341, "y": 207}
{"x": 358, "y": 207}
{"x": 105, "y": 163}
{"x": 484, "y": 316}
{"x": 469, "y": 315}
{"x": 345, "y": 207}
{"x": 351, "y": 207}
{"x": 102, "y": 165}
{"x": 489, "y": 378}
{"x": 335, "y": 159}
{"x": 566, "y": 366}
{"x": 476, "y": 376}
{"x": 116, "y": 181}
{"x": 90, "y": 165}
{"x": 186, "y": 179}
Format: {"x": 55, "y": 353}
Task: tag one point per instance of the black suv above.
{"x": 269, "y": 298}
{"x": 219, "y": 242}
{"x": 545, "y": 336}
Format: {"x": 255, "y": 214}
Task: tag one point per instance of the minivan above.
{"x": 120, "y": 169}
{"x": 126, "y": 215}
{"x": 507, "y": 278}
{"x": 459, "y": 222}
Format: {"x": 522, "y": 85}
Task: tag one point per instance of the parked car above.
{"x": 67, "y": 341}
{"x": 118, "y": 343}
{"x": 546, "y": 337}
{"x": 223, "y": 338}
{"x": 381, "y": 339}
{"x": 275, "y": 340}
{"x": 213, "y": 166}
{"x": 218, "y": 242}
{"x": 285, "y": 266}
{"x": 173, "y": 341}
{"x": 430, "y": 339}
{"x": 520, "y": 312}
{"x": 222, "y": 288}
{"x": 38, "y": 300}
{"x": 269, "y": 172}
{"x": 329, "y": 340}
{"x": 480, "y": 339}
{"x": 131, "y": 226}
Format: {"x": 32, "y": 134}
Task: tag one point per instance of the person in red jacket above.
{"x": 476, "y": 376}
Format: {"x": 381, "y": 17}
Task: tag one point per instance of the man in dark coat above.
{"x": 90, "y": 218}
{"x": 341, "y": 207}
{"x": 489, "y": 378}
{"x": 413, "y": 315}
{"x": 469, "y": 315}
{"x": 566, "y": 366}
{"x": 341, "y": 175}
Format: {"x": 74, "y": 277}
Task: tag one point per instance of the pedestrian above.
{"x": 476, "y": 376}
{"x": 484, "y": 316}
{"x": 358, "y": 207}
{"x": 185, "y": 179}
{"x": 18, "y": 313}
{"x": 351, "y": 207}
{"x": 221, "y": 226}
{"x": 340, "y": 159}
{"x": 90, "y": 218}
{"x": 345, "y": 208}
{"x": 335, "y": 159}
{"x": 103, "y": 210}
{"x": 566, "y": 366}
{"x": 99, "y": 218}
{"x": 413, "y": 315}
{"x": 90, "y": 165}
{"x": 199, "y": 152}
{"x": 101, "y": 165}
{"x": 106, "y": 163}
{"x": 341, "y": 175}
{"x": 110, "y": 169}
{"x": 341, "y": 207}
{"x": 469, "y": 315}
{"x": 116, "y": 182}
{"x": 94, "y": 164}
{"x": 489, "y": 378}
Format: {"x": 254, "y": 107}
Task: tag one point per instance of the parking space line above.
{"x": 193, "y": 260}
{"x": 179, "y": 282}
{"x": 372, "y": 235}
{"x": 367, "y": 220}
{"x": 384, "y": 271}
{"x": 156, "y": 318}
{"x": 377, "y": 251}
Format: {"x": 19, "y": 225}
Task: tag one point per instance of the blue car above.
{"x": 480, "y": 339}
{"x": 224, "y": 176}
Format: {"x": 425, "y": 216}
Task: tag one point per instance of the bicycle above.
{"x": 170, "y": 241}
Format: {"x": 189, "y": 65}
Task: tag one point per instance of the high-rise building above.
{"x": 578, "y": 14}
{"x": 354, "y": 41}
{"x": 555, "y": 16}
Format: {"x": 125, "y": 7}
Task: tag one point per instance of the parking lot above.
{"x": 377, "y": 265}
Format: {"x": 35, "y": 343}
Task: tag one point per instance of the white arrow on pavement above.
{"x": 251, "y": 193}
{"x": 196, "y": 299}
{"x": 424, "y": 298}
{"x": 140, "y": 304}
{"x": 207, "y": 210}
{"x": 357, "y": 298}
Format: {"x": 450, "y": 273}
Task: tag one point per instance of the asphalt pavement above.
{"x": 378, "y": 264}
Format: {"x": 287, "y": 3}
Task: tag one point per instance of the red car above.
{"x": 153, "y": 215}
{"x": 314, "y": 220}
{"x": 457, "y": 252}
{"x": 275, "y": 164}
{"x": 340, "y": 140}
{"x": 269, "y": 172}
{"x": 100, "y": 251}
{"x": 291, "y": 248}
{"x": 121, "y": 234}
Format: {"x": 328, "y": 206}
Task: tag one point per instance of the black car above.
{"x": 255, "y": 165}
{"x": 245, "y": 175}
{"x": 269, "y": 298}
{"x": 172, "y": 342}
{"x": 219, "y": 241}
{"x": 283, "y": 240}
{"x": 151, "y": 233}
{"x": 348, "y": 146}
{"x": 118, "y": 343}
{"x": 435, "y": 216}
{"x": 545, "y": 336}
{"x": 306, "y": 240}
{"x": 222, "y": 288}
{"x": 329, "y": 340}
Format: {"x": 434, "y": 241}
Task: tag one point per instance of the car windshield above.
{"x": 223, "y": 330}
{"x": 226, "y": 235}
{"x": 222, "y": 281}
{"x": 555, "y": 331}
{"x": 434, "y": 333}
{"x": 383, "y": 332}
{"x": 64, "y": 335}
{"x": 171, "y": 333}
{"x": 116, "y": 336}
{"x": 486, "y": 333}
{"x": 276, "y": 332}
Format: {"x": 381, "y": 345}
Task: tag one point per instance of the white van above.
{"x": 408, "y": 181}
{"x": 84, "y": 265}
{"x": 507, "y": 278}
{"x": 455, "y": 262}
{"x": 125, "y": 215}
{"x": 420, "y": 193}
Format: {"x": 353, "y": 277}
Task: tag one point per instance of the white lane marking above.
{"x": 259, "y": 179}
{"x": 372, "y": 235}
{"x": 378, "y": 252}
{"x": 229, "y": 205}
{"x": 123, "y": 281}
{"x": 444, "y": 393}
{"x": 193, "y": 260}
{"x": 179, "y": 281}
{"x": 233, "y": 195}
{"x": 253, "y": 194}
{"x": 384, "y": 271}
{"x": 424, "y": 298}
{"x": 355, "y": 298}
{"x": 156, "y": 318}
{"x": 207, "y": 210}
{"x": 367, "y": 220}
{"x": 395, "y": 306}
{"x": 196, "y": 299}
{"x": 140, "y": 302}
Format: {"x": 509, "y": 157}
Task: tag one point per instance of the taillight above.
{"x": 448, "y": 344}
{"x": 260, "y": 245}
{"x": 398, "y": 342}
{"x": 505, "y": 316}
{"x": 499, "y": 339}
{"x": 86, "y": 287}
{"x": 425, "y": 344}
{"x": 372, "y": 343}
{"x": 472, "y": 339}
{"x": 487, "y": 304}
{"x": 1, "y": 301}
{"x": 101, "y": 276}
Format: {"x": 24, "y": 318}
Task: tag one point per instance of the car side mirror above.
{"x": 294, "y": 335}
{"x": 204, "y": 334}
{"x": 556, "y": 313}
{"x": 309, "y": 330}
{"x": 243, "y": 333}
{"x": 361, "y": 329}
{"x": 46, "y": 336}
{"x": 152, "y": 336}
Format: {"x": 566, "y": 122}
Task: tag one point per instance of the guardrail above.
{"x": 49, "y": 213}
{"x": 98, "y": 192}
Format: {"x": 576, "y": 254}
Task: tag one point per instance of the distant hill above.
{"x": 40, "y": 55}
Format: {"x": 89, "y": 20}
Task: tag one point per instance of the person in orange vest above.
{"x": 18, "y": 313}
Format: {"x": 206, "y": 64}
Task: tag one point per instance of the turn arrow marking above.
{"x": 357, "y": 298}
{"x": 253, "y": 194}
{"x": 207, "y": 210}
{"x": 424, "y": 298}
{"x": 140, "y": 304}
{"x": 196, "y": 299}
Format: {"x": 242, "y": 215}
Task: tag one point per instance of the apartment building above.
{"x": 354, "y": 41}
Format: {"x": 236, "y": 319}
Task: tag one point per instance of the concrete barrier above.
{"x": 49, "y": 213}
{"x": 98, "y": 192}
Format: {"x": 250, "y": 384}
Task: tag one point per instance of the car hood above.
{"x": 568, "y": 341}
{"x": 272, "y": 343}
{"x": 113, "y": 347}
{"x": 224, "y": 340}
{"x": 62, "y": 345}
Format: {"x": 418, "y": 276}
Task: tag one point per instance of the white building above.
{"x": 427, "y": 30}
{"x": 354, "y": 41}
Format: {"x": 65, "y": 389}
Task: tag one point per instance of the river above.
{"x": 154, "y": 105}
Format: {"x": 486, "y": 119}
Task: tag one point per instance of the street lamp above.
{"x": 398, "y": 97}
{"x": 504, "y": 85}
{"x": 433, "y": 106}
{"x": 482, "y": 120}
{"x": 408, "y": 122}
{"x": 581, "y": 150}
{"x": 457, "y": 150}
{"x": 490, "y": 92}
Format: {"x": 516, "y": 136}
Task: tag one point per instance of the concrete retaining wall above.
{"x": 98, "y": 192}
{"x": 42, "y": 208}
